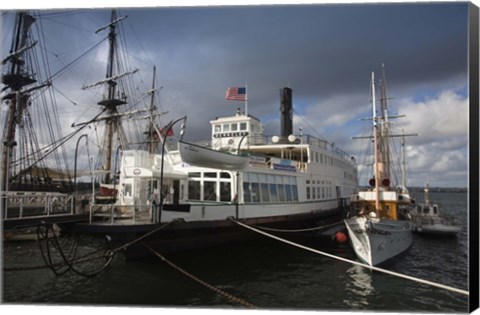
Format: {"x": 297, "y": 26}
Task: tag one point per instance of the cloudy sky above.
{"x": 324, "y": 52}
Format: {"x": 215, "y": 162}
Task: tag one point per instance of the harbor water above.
{"x": 266, "y": 273}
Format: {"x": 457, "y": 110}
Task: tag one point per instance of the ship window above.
{"x": 210, "y": 175}
{"x": 273, "y": 193}
{"x": 288, "y": 191}
{"x": 255, "y": 192}
{"x": 226, "y": 127}
{"x": 281, "y": 192}
{"x": 264, "y": 192}
{"x": 295, "y": 192}
{"x": 234, "y": 127}
{"x": 194, "y": 190}
{"x": 308, "y": 192}
{"x": 225, "y": 192}
{"x": 246, "y": 192}
{"x": 194, "y": 174}
{"x": 313, "y": 193}
{"x": 209, "y": 189}
{"x": 224, "y": 175}
{"x": 218, "y": 128}
{"x": 128, "y": 190}
{"x": 243, "y": 126}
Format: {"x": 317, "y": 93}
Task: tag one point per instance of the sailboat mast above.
{"x": 404, "y": 176}
{"x": 385, "y": 126}
{"x": 375, "y": 144}
{"x": 151, "y": 145}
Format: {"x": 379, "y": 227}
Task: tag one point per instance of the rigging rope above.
{"x": 430, "y": 283}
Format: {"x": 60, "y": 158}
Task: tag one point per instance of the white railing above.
{"x": 112, "y": 213}
{"x": 18, "y": 205}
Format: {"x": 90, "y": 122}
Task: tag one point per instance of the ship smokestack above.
{"x": 286, "y": 121}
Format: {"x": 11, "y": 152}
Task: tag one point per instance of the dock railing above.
{"x": 18, "y": 205}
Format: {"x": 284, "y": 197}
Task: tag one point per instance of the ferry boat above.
{"x": 380, "y": 228}
{"x": 286, "y": 181}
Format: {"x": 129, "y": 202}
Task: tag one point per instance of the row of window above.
{"x": 319, "y": 190}
{"x": 320, "y": 158}
{"x": 319, "y": 193}
{"x": 209, "y": 190}
{"x": 229, "y": 127}
{"x": 264, "y": 192}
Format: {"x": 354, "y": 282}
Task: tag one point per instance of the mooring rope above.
{"x": 205, "y": 284}
{"x": 68, "y": 261}
{"x": 323, "y": 227}
{"x": 430, "y": 283}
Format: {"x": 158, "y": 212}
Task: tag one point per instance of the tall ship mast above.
{"x": 115, "y": 138}
{"x": 32, "y": 156}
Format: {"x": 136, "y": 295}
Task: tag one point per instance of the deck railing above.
{"x": 111, "y": 213}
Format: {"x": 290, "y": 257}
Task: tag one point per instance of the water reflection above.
{"x": 358, "y": 286}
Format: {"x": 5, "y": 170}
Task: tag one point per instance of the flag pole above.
{"x": 246, "y": 99}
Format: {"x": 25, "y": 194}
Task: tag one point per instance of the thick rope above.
{"x": 430, "y": 283}
{"x": 207, "y": 285}
{"x": 318, "y": 228}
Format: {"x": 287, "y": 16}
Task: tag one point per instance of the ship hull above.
{"x": 377, "y": 241}
{"x": 180, "y": 235}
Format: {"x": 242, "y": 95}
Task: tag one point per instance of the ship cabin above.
{"x": 283, "y": 168}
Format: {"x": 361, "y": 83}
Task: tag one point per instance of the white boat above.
{"x": 286, "y": 181}
{"x": 203, "y": 156}
{"x": 379, "y": 229}
{"x": 427, "y": 219}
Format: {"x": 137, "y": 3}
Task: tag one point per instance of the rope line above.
{"x": 298, "y": 230}
{"x": 67, "y": 260}
{"x": 209, "y": 286}
{"x": 142, "y": 237}
{"x": 430, "y": 283}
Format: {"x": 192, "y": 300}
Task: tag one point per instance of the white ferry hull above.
{"x": 184, "y": 234}
{"x": 377, "y": 242}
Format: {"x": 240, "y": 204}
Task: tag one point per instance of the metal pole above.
{"x": 163, "y": 162}
{"x": 75, "y": 168}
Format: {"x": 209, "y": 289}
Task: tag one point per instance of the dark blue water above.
{"x": 265, "y": 273}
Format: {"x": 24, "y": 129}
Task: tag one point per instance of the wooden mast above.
{"x": 375, "y": 144}
{"x": 16, "y": 79}
{"x": 111, "y": 103}
{"x": 151, "y": 146}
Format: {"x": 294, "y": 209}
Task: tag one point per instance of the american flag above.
{"x": 236, "y": 94}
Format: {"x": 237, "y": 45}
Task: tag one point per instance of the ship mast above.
{"x": 375, "y": 144}
{"x": 151, "y": 146}
{"x": 112, "y": 101}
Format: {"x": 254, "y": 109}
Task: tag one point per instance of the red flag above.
{"x": 167, "y": 131}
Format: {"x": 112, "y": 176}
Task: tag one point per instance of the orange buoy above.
{"x": 340, "y": 238}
